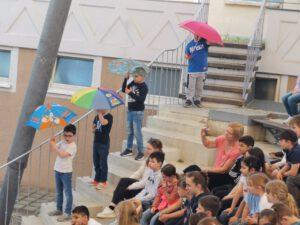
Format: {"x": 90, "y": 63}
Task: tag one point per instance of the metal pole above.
{"x": 35, "y": 95}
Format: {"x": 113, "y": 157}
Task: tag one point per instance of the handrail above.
{"x": 44, "y": 142}
{"x": 253, "y": 51}
{"x": 198, "y": 18}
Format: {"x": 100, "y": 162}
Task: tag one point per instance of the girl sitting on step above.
{"x": 129, "y": 187}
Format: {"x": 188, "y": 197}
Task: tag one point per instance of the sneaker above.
{"x": 93, "y": 183}
{"x": 107, "y": 213}
{"x": 187, "y": 104}
{"x": 139, "y": 156}
{"x": 197, "y": 103}
{"x": 101, "y": 185}
{"x": 287, "y": 121}
{"x": 127, "y": 152}
{"x": 55, "y": 213}
{"x": 64, "y": 218}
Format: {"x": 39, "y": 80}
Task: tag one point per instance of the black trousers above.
{"x": 175, "y": 221}
{"x": 218, "y": 179}
{"x": 121, "y": 193}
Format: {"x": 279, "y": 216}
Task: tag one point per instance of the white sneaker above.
{"x": 106, "y": 213}
{"x": 288, "y": 120}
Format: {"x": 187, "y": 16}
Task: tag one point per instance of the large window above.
{"x": 164, "y": 81}
{"x": 74, "y": 71}
{"x": 4, "y": 63}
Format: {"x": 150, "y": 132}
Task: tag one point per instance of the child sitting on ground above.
{"x": 81, "y": 216}
{"x": 284, "y": 215}
{"x": 277, "y": 191}
{"x": 249, "y": 166}
{"x": 166, "y": 196}
{"x": 267, "y": 217}
{"x": 156, "y": 159}
{"x": 175, "y": 213}
{"x": 129, "y": 212}
{"x": 210, "y": 205}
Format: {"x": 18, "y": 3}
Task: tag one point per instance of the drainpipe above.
{"x": 35, "y": 95}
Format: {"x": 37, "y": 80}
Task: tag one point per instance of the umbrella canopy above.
{"x": 48, "y": 115}
{"x": 202, "y": 30}
{"x": 97, "y": 98}
{"x": 124, "y": 66}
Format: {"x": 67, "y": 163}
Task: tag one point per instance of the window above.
{"x": 8, "y": 68}
{"x": 164, "y": 81}
{"x": 72, "y": 73}
{"x": 4, "y": 63}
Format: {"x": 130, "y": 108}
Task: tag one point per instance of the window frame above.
{"x": 250, "y": 3}
{"x": 68, "y": 89}
{"x": 9, "y": 83}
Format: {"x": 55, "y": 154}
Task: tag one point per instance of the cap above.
{"x": 139, "y": 71}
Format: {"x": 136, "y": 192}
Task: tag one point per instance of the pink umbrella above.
{"x": 202, "y": 30}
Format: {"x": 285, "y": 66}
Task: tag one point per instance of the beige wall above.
{"x": 281, "y": 54}
{"x": 232, "y": 19}
{"x": 39, "y": 171}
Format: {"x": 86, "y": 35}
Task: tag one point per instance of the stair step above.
{"x": 225, "y": 74}
{"x": 223, "y": 88}
{"x": 234, "y": 64}
{"x": 221, "y": 94}
{"x": 230, "y": 83}
{"x": 184, "y": 126}
{"x": 223, "y": 100}
{"x": 171, "y": 155}
{"x": 235, "y": 45}
{"x": 102, "y": 197}
{"x": 192, "y": 149}
{"x": 31, "y": 220}
{"x": 227, "y": 52}
{"x": 180, "y": 113}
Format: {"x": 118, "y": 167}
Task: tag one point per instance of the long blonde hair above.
{"x": 128, "y": 212}
{"x": 280, "y": 190}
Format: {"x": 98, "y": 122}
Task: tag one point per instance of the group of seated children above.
{"x": 257, "y": 188}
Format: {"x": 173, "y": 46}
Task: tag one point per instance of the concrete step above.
{"x": 79, "y": 198}
{"x": 31, "y": 220}
{"x": 188, "y": 127}
{"x": 222, "y": 94}
{"x": 235, "y": 45}
{"x": 225, "y": 74}
{"x": 233, "y": 64}
{"x": 227, "y": 52}
{"x": 223, "y": 100}
{"x": 223, "y": 88}
{"x": 178, "y": 112}
{"x": 171, "y": 155}
{"x": 192, "y": 149}
{"x": 102, "y": 197}
{"x": 219, "y": 82}
{"x": 129, "y": 163}
{"x": 50, "y": 220}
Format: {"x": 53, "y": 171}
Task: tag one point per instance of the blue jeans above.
{"x": 63, "y": 183}
{"x": 290, "y": 102}
{"x": 134, "y": 129}
{"x": 149, "y": 218}
{"x": 100, "y": 154}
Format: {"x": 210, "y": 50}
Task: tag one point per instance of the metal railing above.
{"x": 164, "y": 81}
{"x": 37, "y": 183}
{"x": 168, "y": 70}
{"x": 253, "y": 54}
